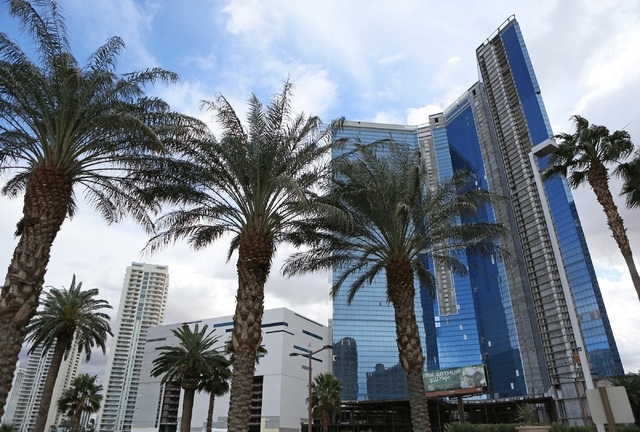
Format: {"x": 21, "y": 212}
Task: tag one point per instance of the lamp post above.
{"x": 310, "y": 357}
{"x": 543, "y": 149}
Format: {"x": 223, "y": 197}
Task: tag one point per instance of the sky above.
{"x": 366, "y": 60}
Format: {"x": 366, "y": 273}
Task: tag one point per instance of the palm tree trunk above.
{"x": 212, "y": 398}
{"x": 187, "y": 409}
{"x": 50, "y": 383}
{"x": 45, "y": 208}
{"x": 599, "y": 181}
{"x": 402, "y": 294}
{"x": 77, "y": 414}
{"x": 325, "y": 418}
{"x": 254, "y": 264}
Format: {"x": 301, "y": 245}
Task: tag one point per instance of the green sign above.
{"x": 455, "y": 378}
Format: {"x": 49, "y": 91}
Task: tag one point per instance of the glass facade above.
{"x": 600, "y": 343}
{"x": 364, "y": 335}
{"x": 484, "y": 292}
{"x": 500, "y": 313}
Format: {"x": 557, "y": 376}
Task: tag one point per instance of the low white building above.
{"x": 280, "y": 382}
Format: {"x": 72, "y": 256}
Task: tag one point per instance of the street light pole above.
{"x": 310, "y": 357}
{"x": 309, "y": 428}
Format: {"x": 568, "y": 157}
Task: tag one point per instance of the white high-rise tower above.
{"x": 14, "y": 393}
{"x": 28, "y": 402}
{"x": 142, "y": 305}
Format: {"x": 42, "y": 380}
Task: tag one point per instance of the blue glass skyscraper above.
{"x": 509, "y": 314}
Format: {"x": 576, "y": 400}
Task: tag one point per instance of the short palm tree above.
{"x": 66, "y": 129}
{"x": 216, "y": 384}
{"x": 255, "y": 183}
{"x": 325, "y": 396}
{"x": 69, "y": 316}
{"x": 582, "y": 157}
{"x": 190, "y": 363}
{"x": 379, "y": 220}
{"x": 82, "y": 397}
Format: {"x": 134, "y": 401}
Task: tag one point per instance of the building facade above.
{"x": 510, "y": 315}
{"x": 27, "y": 405}
{"x": 14, "y": 393}
{"x": 142, "y": 305}
{"x": 280, "y": 381}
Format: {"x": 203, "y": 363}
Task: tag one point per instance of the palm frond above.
{"x": 73, "y": 313}
{"x": 194, "y": 358}
{"x": 377, "y": 212}
{"x": 259, "y": 178}
{"x": 630, "y": 174}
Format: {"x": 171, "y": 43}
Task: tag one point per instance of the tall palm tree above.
{"x": 583, "y": 157}
{"x": 379, "y": 220}
{"x": 66, "y": 129}
{"x": 70, "y": 316}
{"x": 189, "y": 364}
{"x": 255, "y": 183}
{"x": 630, "y": 173}
{"x": 83, "y": 396}
{"x": 216, "y": 384}
{"x": 325, "y": 397}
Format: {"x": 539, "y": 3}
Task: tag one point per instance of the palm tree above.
{"x": 65, "y": 128}
{"x": 70, "y": 316}
{"x": 254, "y": 183}
{"x": 82, "y": 397}
{"x": 189, "y": 364}
{"x": 631, "y": 383}
{"x": 378, "y": 219}
{"x": 630, "y": 173}
{"x": 228, "y": 351}
{"x": 582, "y": 157}
{"x": 325, "y": 395}
{"x": 216, "y": 384}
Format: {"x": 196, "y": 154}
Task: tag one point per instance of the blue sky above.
{"x": 392, "y": 62}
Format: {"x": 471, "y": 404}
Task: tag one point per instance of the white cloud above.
{"x": 389, "y": 117}
{"x": 244, "y": 15}
{"x": 313, "y": 92}
{"x": 392, "y": 59}
{"x": 619, "y": 294}
{"x": 206, "y": 63}
{"x": 124, "y": 18}
{"x": 418, "y": 116}
{"x": 453, "y": 60}
{"x": 612, "y": 67}
{"x": 378, "y": 95}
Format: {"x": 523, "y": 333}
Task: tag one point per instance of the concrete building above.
{"x": 14, "y": 393}
{"x": 280, "y": 382}
{"x": 28, "y": 403}
{"x": 510, "y": 315}
{"x": 142, "y": 305}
